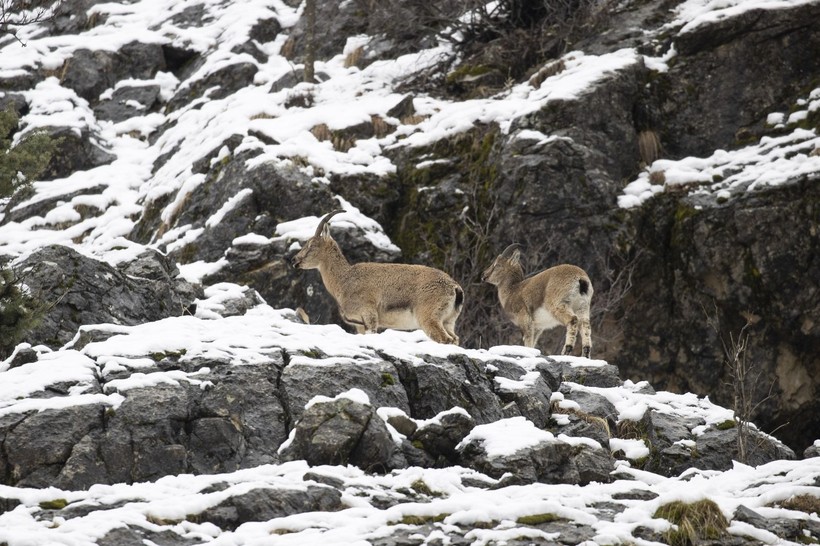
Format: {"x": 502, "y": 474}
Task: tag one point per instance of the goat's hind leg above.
{"x": 436, "y": 331}
{"x": 570, "y": 320}
{"x": 364, "y": 320}
{"x": 449, "y": 327}
{"x": 586, "y": 338}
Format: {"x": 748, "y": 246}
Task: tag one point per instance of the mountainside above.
{"x": 186, "y": 385}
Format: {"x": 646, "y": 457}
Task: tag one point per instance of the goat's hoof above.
{"x": 568, "y": 349}
{"x": 585, "y": 352}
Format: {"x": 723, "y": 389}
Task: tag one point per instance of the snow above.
{"x": 773, "y": 161}
{"x": 507, "y": 436}
{"x": 121, "y": 190}
{"x": 696, "y": 13}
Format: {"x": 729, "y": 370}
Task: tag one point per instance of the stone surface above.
{"x": 82, "y": 290}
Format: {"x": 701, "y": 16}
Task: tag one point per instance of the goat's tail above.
{"x": 459, "y": 299}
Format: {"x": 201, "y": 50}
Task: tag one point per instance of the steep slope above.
{"x": 671, "y": 151}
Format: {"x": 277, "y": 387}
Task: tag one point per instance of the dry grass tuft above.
{"x": 802, "y": 503}
{"x": 657, "y": 178}
{"x": 354, "y": 57}
{"x": 547, "y": 72}
{"x": 380, "y": 127}
{"x": 649, "y": 146}
{"x": 322, "y": 132}
{"x": 693, "y": 522}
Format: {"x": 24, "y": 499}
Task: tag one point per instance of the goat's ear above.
{"x": 326, "y": 231}
{"x": 515, "y": 257}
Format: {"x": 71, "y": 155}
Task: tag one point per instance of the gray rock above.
{"x": 788, "y": 529}
{"x": 379, "y": 380}
{"x": 440, "y": 439}
{"x": 578, "y": 426}
{"x": 441, "y": 385}
{"x": 38, "y": 446}
{"x": 671, "y": 428}
{"x": 547, "y": 462}
{"x": 717, "y": 448}
{"x": 128, "y": 102}
{"x": 215, "y": 85}
{"x": 605, "y": 375}
{"x": 591, "y": 404}
{"x": 87, "y": 291}
{"x": 343, "y": 432}
{"x": 266, "y": 504}
{"x": 89, "y": 73}
{"x": 812, "y": 451}
{"x": 138, "y": 536}
{"x": 74, "y": 152}
{"x": 533, "y": 402}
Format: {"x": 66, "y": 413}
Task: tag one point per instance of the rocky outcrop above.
{"x": 143, "y": 416}
{"x": 731, "y": 73}
{"x": 717, "y": 268}
{"x": 662, "y": 274}
{"x": 76, "y": 290}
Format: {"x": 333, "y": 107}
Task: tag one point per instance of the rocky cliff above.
{"x": 669, "y": 148}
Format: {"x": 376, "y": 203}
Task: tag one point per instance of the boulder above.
{"x": 215, "y": 85}
{"x": 81, "y": 290}
{"x": 340, "y": 432}
{"x": 440, "y": 437}
{"x": 40, "y": 443}
{"x": 263, "y": 504}
{"x": 89, "y": 73}
{"x": 303, "y": 379}
{"x": 439, "y": 385}
{"x": 551, "y": 461}
{"x": 128, "y": 102}
{"x": 74, "y": 151}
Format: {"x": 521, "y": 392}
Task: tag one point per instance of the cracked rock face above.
{"x": 78, "y": 290}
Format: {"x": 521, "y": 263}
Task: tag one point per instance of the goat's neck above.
{"x": 509, "y": 290}
{"x": 334, "y": 269}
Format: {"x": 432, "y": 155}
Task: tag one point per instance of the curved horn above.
{"x": 508, "y": 252}
{"x": 324, "y": 221}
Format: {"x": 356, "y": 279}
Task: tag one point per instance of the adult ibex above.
{"x": 380, "y": 295}
{"x": 558, "y": 295}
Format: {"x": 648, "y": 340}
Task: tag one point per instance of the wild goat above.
{"x": 380, "y": 295}
{"x": 558, "y": 295}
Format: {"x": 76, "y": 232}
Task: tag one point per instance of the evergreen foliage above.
{"x": 19, "y": 312}
{"x": 19, "y": 164}
{"x": 26, "y": 160}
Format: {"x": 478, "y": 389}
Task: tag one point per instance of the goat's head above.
{"x": 316, "y": 247}
{"x": 506, "y": 266}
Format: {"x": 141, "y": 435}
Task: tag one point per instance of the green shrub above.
{"x": 19, "y": 312}
{"x": 26, "y": 160}
{"x": 19, "y": 164}
{"x": 55, "y": 504}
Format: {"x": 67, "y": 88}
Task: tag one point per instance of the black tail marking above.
{"x": 459, "y": 297}
{"x": 583, "y": 286}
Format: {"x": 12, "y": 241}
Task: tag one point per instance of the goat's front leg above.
{"x": 530, "y": 334}
{"x": 370, "y": 319}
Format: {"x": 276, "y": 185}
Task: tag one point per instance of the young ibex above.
{"x": 558, "y": 295}
{"x": 380, "y": 295}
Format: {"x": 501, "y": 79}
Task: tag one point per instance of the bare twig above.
{"x": 19, "y": 13}
{"x": 744, "y": 375}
